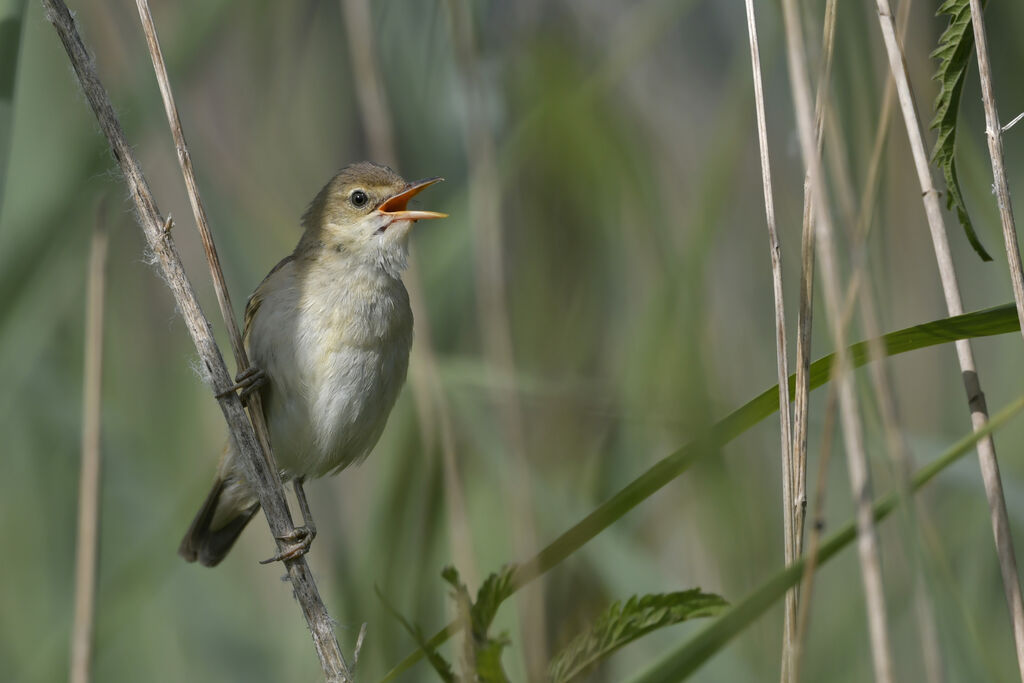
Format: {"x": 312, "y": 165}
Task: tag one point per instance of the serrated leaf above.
{"x": 956, "y": 45}
{"x": 622, "y": 624}
{"x": 482, "y": 652}
{"x": 491, "y": 594}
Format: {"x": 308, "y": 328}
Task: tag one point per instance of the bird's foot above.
{"x": 299, "y": 541}
{"x": 246, "y": 382}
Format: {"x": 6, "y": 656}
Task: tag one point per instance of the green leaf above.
{"x": 483, "y": 651}
{"x": 986, "y": 323}
{"x": 683, "y": 661}
{"x": 956, "y": 45}
{"x": 622, "y": 624}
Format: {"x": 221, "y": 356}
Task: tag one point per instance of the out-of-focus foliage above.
{"x": 637, "y": 273}
{"x": 955, "y": 54}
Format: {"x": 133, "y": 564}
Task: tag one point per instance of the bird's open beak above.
{"x": 394, "y": 207}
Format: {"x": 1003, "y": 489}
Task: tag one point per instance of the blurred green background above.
{"x": 639, "y": 310}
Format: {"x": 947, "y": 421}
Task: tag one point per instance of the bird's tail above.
{"x": 210, "y": 544}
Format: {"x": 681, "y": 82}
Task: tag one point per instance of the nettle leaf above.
{"x": 482, "y": 652}
{"x": 956, "y": 46}
{"x": 622, "y": 624}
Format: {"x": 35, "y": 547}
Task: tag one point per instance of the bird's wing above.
{"x": 256, "y": 298}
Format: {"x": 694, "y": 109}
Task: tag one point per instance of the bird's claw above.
{"x": 299, "y": 541}
{"x": 246, "y": 382}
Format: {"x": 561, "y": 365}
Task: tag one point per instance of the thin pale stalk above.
{"x": 856, "y": 458}
{"x": 493, "y": 318}
{"x": 786, "y": 451}
{"x": 817, "y": 528}
{"x": 882, "y": 384}
{"x": 994, "y": 133}
{"x": 805, "y": 314}
{"x": 214, "y": 372}
{"x": 428, "y": 393}
{"x": 863, "y": 224}
{"x": 951, "y": 290}
{"x": 87, "y": 545}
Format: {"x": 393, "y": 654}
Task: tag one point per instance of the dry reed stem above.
{"x": 896, "y": 446}
{"x": 428, "y": 393}
{"x": 863, "y": 224}
{"x": 994, "y": 133}
{"x": 817, "y": 529}
{"x": 87, "y": 546}
{"x": 492, "y": 312}
{"x": 867, "y": 541}
{"x": 332, "y": 660}
{"x": 806, "y": 311}
{"x": 951, "y": 290}
{"x": 160, "y": 241}
{"x": 786, "y": 452}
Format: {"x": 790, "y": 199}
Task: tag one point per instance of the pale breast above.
{"x": 336, "y": 356}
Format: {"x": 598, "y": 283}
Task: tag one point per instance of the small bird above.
{"x": 329, "y": 332}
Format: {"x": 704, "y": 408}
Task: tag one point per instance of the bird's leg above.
{"x": 300, "y": 538}
{"x": 307, "y": 516}
{"x": 246, "y": 382}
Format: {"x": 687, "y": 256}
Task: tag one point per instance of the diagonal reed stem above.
{"x": 320, "y": 625}
{"x": 160, "y": 241}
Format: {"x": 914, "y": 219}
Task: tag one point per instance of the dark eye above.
{"x": 358, "y": 198}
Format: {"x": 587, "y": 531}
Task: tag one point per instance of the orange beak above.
{"x": 394, "y": 207}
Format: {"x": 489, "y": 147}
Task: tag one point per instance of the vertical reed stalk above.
{"x": 994, "y": 133}
{"x": 428, "y": 393}
{"x": 786, "y": 452}
{"x": 493, "y": 315}
{"x": 87, "y": 545}
{"x": 951, "y": 290}
{"x": 867, "y": 540}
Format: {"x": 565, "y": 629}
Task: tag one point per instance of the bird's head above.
{"x": 362, "y": 213}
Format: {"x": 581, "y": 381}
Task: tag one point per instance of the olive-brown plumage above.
{"x": 331, "y": 329}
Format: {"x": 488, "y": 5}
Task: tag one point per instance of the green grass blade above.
{"x": 692, "y": 654}
{"x": 986, "y": 323}
{"x": 956, "y": 45}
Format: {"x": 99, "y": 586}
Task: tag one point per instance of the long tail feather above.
{"x": 209, "y": 545}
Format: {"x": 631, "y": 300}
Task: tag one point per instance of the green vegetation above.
{"x": 639, "y": 306}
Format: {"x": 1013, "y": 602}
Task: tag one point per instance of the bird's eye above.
{"x": 358, "y": 198}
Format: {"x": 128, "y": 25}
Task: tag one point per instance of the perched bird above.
{"x": 329, "y": 331}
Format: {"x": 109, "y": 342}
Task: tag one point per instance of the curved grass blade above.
{"x": 986, "y": 323}
{"x": 956, "y": 46}
{"x": 692, "y": 654}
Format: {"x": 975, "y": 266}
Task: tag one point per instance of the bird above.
{"x": 328, "y": 332}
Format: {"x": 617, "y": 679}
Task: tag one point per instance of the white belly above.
{"x": 335, "y": 360}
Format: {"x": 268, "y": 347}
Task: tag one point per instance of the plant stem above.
{"x": 856, "y": 458}
{"x": 786, "y": 452}
{"x": 951, "y": 290}
{"x": 994, "y": 133}
{"x": 87, "y": 545}
{"x": 264, "y": 477}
